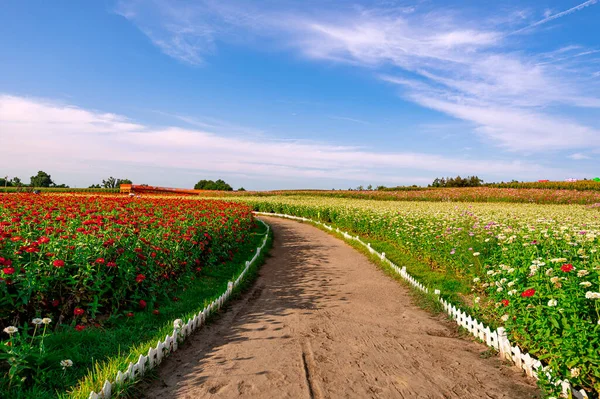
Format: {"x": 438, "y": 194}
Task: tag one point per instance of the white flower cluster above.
{"x": 10, "y": 330}
{"x": 66, "y": 363}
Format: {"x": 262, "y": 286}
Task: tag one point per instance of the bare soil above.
{"x": 322, "y": 321}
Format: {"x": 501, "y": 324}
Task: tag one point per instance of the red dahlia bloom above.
{"x": 142, "y": 303}
{"x": 80, "y": 327}
{"x": 139, "y": 278}
{"x": 8, "y": 270}
{"x": 505, "y": 302}
{"x": 100, "y": 260}
{"x": 58, "y": 263}
{"x": 156, "y": 311}
{"x": 111, "y": 264}
{"x": 55, "y": 303}
{"x": 78, "y": 311}
{"x": 130, "y": 314}
{"x": 567, "y": 267}
{"x": 528, "y": 293}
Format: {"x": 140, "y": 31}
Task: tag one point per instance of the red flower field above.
{"x": 82, "y": 258}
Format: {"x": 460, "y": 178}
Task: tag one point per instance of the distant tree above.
{"x": 241, "y": 189}
{"x": 213, "y": 185}
{"x": 369, "y": 187}
{"x": 360, "y": 188}
{"x": 381, "y": 188}
{"x": 16, "y": 181}
{"x": 42, "y": 179}
{"x": 95, "y": 186}
{"x": 4, "y": 182}
{"x": 111, "y": 182}
{"x": 470, "y": 181}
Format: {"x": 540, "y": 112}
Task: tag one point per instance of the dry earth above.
{"x": 322, "y": 321}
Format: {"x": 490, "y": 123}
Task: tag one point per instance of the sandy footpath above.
{"x": 322, "y": 321}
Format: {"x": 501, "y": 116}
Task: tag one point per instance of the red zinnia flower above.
{"x": 139, "y": 278}
{"x": 130, "y": 314}
{"x": 78, "y": 311}
{"x": 156, "y": 311}
{"x": 80, "y": 327}
{"x": 111, "y": 264}
{"x": 505, "y": 302}
{"x": 8, "y": 270}
{"x": 55, "y": 303}
{"x": 43, "y": 240}
{"x": 142, "y": 303}
{"x": 528, "y": 293}
{"x": 567, "y": 267}
{"x": 100, "y": 260}
{"x": 58, "y": 263}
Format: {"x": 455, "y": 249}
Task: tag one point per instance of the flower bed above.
{"x": 86, "y": 262}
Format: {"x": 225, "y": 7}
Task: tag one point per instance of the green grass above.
{"x": 98, "y": 353}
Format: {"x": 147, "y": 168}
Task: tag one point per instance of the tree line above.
{"x": 43, "y": 179}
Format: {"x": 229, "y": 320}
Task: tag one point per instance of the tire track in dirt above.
{"x": 323, "y": 322}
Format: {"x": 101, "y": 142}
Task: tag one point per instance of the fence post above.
{"x": 503, "y": 343}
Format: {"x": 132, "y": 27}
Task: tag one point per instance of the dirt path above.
{"x": 323, "y": 322}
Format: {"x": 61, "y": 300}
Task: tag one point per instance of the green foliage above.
{"x": 241, "y": 189}
{"x": 26, "y": 356}
{"x": 112, "y": 182}
{"x": 219, "y": 185}
{"x": 470, "y": 181}
{"x": 42, "y": 179}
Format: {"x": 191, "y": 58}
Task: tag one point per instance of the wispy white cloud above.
{"x": 552, "y": 17}
{"x": 443, "y": 61}
{"x": 348, "y": 119}
{"x": 44, "y": 134}
{"x": 578, "y": 156}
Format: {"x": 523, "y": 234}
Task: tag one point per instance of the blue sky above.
{"x": 299, "y": 94}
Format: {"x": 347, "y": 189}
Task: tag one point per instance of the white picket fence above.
{"x": 496, "y": 339}
{"x": 181, "y": 331}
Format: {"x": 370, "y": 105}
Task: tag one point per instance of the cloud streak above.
{"x": 552, "y": 17}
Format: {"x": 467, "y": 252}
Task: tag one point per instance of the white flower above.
{"x": 552, "y": 302}
{"x": 46, "y": 320}
{"x": 549, "y": 272}
{"x": 575, "y": 372}
{"x": 511, "y": 270}
{"x": 586, "y": 284}
{"x": 582, "y": 273}
{"x": 477, "y": 299}
{"x": 37, "y": 321}
{"x": 11, "y": 330}
{"x": 511, "y": 283}
{"x": 592, "y": 295}
{"x": 490, "y": 272}
{"x": 476, "y": 254}
{"x": 500, "y": 289}
{"x": 504, "y": 318}
{"x": 512, "y": 292}
{"x": 177, "y": 324}
{"x": 476, "y": 280}
{"x": 66, "y": 363}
